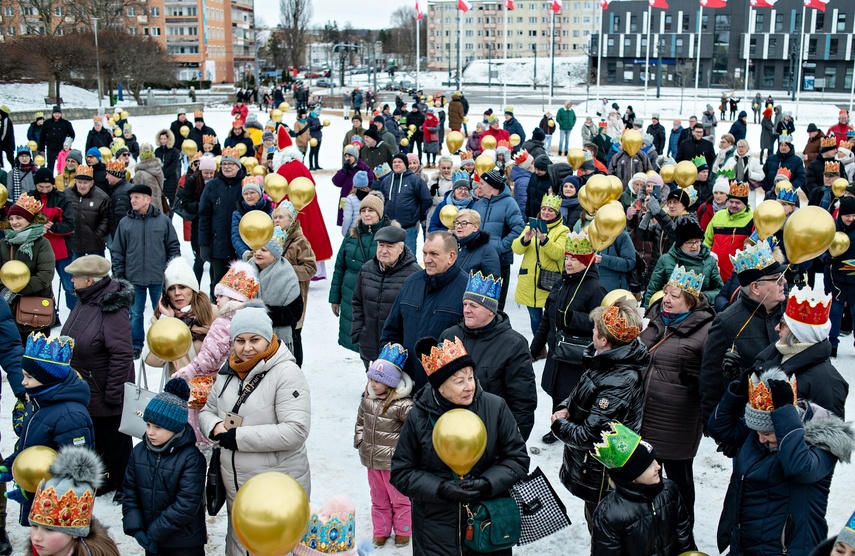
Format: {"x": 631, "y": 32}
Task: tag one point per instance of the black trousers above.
{"x": 114, "y": 448}
{"x": 506, "y": 284}
{"x": 313, "y": 156}
{"x": 680, "y": 471}
{"x": 219, "y": 267}
{"x": 161, "y": 551}
{"x": 296, "y": 334}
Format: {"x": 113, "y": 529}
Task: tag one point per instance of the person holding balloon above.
{"x": 442, "y": 482}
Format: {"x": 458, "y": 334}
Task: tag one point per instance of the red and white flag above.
{"x": 509, "y": 5}
{"x": 763, "y": 3}
{"x": 464, "y": 5}
{"x": 604, "y": 4}
{"x": 556, "y": 5}
{"x": 816, "y": 4}
{"x": 660, "y": 4}
{"x": 713, "y": 3}
{"x": 418, "y": 11}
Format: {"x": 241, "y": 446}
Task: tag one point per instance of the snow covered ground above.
{"x": 337, "y": 378}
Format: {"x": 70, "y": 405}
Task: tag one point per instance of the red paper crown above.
{"x": 521, "y": 157}
{"x": 809, "y": 306}
{"x": 197, "y": 156}
{"x": 504, "y": 143}
{"x": 603, "y": 124}
{"x": 208, "y": 139}
{"x": 442, "y": 355}
{"x": 832, "y": 167}
{"x": 786, "y": 172}
{"x": 466, "y": 155}
{"x": 828, "y": 142}
{"x": 238, "y": 122}
{"x": 29, "y": 204}
{"x": 617, "y": 325}
{"x": 738, "y": 189}
{"x": 759, "y": 396}
{"x": 67, "y": 512}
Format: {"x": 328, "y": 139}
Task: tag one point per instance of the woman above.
{"x": 20, "y": 179}
{"x": 253, "y": 199}
{"x": 23, "y": 240}
{"x": 690, "y": 252}
{"x": 440, "y": 184}
{"x": 473, "y": 144}
{"x": 459, "y": 195}
{"x": 811, "y": 150}
{"x": 615, "y": 125}
{"x": 725, "y": 152}
{"x": 474, "y": 254}
{"x": 545, "y": 254}
{"x": 275, "y": 413}
{"x": 571, "y": 210}
{"x": 356, "y": 249}
{"x": 190, "y": 195}
{"x": 675, "y": 338}
{"x": 430, "y": 130}
{"x": 149, "y": 171}
{"x": 767, "y": 134}
{"x": 747, "y": 169}
{"x": 438, "y": 497}
{"x": 103, "y": 356}
{"x": 566, "y": 314}
{"x": 316, "y": 132}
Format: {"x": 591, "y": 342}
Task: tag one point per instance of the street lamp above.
{"x": 97, "y": 62}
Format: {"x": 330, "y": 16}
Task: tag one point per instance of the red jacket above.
{"x": 839, "y": 130}
{"x": 243, "y": 111}
{"x": 499, "y": 134}
{"x": 431, "y": 121}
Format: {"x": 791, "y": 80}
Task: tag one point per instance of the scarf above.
{"x": 196, "y": 330}
{"x": 717, "y": 207}
{"x": 18, "y": 177}
{"x": 460, "y": 204}
{"x": 826, "y": 197}
{"x": 242, "y": 368}
{"x": 671, "y": 319}
{"x": 360, "y": 194}
{"x": 24, "y": 238}
{"x": 279, "y": 291}
{"x": 788, "y": 352}
{"x": 741, "y": 167}
{"x": 165, "y": 446}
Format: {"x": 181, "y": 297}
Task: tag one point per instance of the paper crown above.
{"x": 832, "y": 167}
{"x": 459, "y": 175}
{"x": 845, "y": 145}
{"x": 465, "y": 155}
{"x": 521, "y": 157}
{"x": 56, "y": 350}
{"x": 509, "y": 109}
{"x": 208, "y": 139}
{"x": 618, "y": 326}
{"x": 231, "y": 152}
{"x": 280, "y": 235}
{"x": 602, "y": 124}
{"x": 687, "y": 280}
{"x": 789, "y": 196}
{"x": 482, "y": 286}
{"x": 726, "y": 173}
{"x": 785, "y": 138}
{"x": 97, "y": 119}
{"x": 699, "y": 161}
{"x": 754, "y": 257}
{"x": 29, "y": 204}
{"x": 809, "y": 306}
{"x": 759, "y": 396}
{"x": 738, "y": 189}
{"x": 23, "y": 149}
{"x": 127, "y": 128}
{"x": 503, "y": 143}
{"x": 61, "y": 512}
{"x": 83, "y": 170}
{"x": 198, "y": 114}
{"x": 551, "y": 201}
{"x": 382, "y": 169}
{"x": 443, "y": 354}
{"x": 577, "y": 243}
{"x": 38, "y": 115}
{"x": 828, "y": 142}
{"x": 617, "y": 446}
{"x": 786, "y": 173}
{"x": 241, "y": 280}
{"x": 238, "y": 122}
{"x": 331, "y": 530}
{"x": 251, "y": 180}
{"x": 394, "y": 354}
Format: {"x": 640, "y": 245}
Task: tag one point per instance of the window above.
{"x": 132, "y": 30}
{"x": 752, "y": 48}
{"x": 615, "y": 24}
{"x": 60, "y": 31}
{"x": 832, "y": 47}
{"x": 10, "y": 30}
{"x": 575, "y": 19}
{"x": 847, "y": 80}
{"x": 575, "y": 33}
{"x": 758, "y": 21}
{"x": 820, "y": 21}
{"x": 686, "y": 28}
{"x": 57, "y": 11}
{"x": 532, "y": 20}
{"x": 678, "y": 46}
{"x": 610, "y": 43}
{"x": 190, "y": 11}
{"x": 773, "y": 46}
{"x": 779, "y": 23}
{"x": 9, "y": 11}
{"x": 668, "y": 23}
{"x": 841, "y": 23}
{"x": 830, "y": 78}
{"x": 131, "y": 13}
{"x": 705, "y": 23}
{"x": 633, "y": 24}
{"x": 532, "y": 33}
{"x": 627, "y": 42}
{"x": 769, "y": 76}
{"x": 812, "y": 47}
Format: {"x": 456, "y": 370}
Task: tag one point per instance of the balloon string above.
{"x": 579, "y": 285}
{"x": 751, "y": 316}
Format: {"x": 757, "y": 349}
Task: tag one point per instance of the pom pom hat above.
{"x": 168, "y": 410}
{"x": 179, "y": 273}
{"x": 240, "y": 282}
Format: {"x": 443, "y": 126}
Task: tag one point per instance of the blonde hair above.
{"x": 626, "y": 310}
{"x": 471, "y": 215}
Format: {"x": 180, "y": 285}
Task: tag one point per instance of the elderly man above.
{"x": 787, "y": 158}
{"x": 91, "y": 209}
{"x": 429, "y": 301}
{"x": 728, "y": 229}
{"x": 502, "y": 363}
{"x": 377, "y": 285}
{"x": 841, "y": 129}
{"x": 145, "y": 242}
{"x": 816, "y": 169}
{"x": 407, "y": 198}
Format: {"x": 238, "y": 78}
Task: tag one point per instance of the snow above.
{"x": 520, "y": 71}
{"x": 30, "y": 96}
{"x": 337, "y": 379}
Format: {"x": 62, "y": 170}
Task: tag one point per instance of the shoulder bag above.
{"x": 568, "y": 348}
{"x": 541, "y": 511}
{"x": 492, "y": 525}
{"x": 179, "y": 207}
{"x": 546, "y": 279}
{"x": 34, "y": 311}
{"x": 137, "y": 396}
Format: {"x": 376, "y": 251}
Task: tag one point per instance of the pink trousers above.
{"x": 389, "y": 508}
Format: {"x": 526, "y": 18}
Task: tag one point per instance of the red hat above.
{"x": 283, "y": 138}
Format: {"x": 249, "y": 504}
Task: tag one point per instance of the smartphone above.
{"x": 232, "y": 421}
{"x": 537, "y": 224}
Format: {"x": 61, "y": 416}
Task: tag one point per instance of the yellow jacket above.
{"x": 550, "y": 255}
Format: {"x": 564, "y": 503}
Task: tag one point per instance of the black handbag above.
{"x": 568, "y": 348}
{"x": 547, "y": 278}
{"x": 179, "y": 207}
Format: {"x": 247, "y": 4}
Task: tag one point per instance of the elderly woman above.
{"x": 441, "y": 184}
{"x": 253, "y": 199}
{"x": 566, "y": 320}
{"x": 262, "y": 386}
{"x": 543, "y": 259}
{"x": 473, "y": 144}
{"x": 474, "y": 250}
{"x": 439, "y": 497}
{"x": 675, "y": 339}
{"x": 149, "y": 171}
{"x": 747, "y": 169}
{"x": 458, "y": 196}
{"x": 280, "y": 289}
{"x": 103, "y": 356}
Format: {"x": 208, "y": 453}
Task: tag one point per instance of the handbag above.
{"x": 547, "y": 278}
{"x": 541, "y": 511}
{"x": 137, "y": 396}
{"x": 492, "y": 525}
{"x": 179, "y": 207}
{"x": 569, "y": 348}
{"x": 34, "y": 311}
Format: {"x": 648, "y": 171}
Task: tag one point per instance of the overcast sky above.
{"x": 362, "y": 14}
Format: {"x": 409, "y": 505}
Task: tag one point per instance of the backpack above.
{"x": 636, "y": 275}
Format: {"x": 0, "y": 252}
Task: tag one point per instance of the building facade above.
{"x": 769, "y": 38}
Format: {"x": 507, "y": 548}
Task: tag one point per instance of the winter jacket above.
{"x": 233, "y": 140}
{"x": 534, "y": 148}
{"x": 91, "y": 219}
{"x": 238, "y": 243}
{"x": 455, "y": 114}
{"x": 299, "y": 253}
{"x": 539, "y": 256}
{"x": 170, "y": 160}
{"x": 818, "y": 380}
{"x": 343, "y": 179}
{"x": 357, "y": 248}
{"x": 566, "y": 118}
{"x": 609, "y": 390}
{"x": 726, "y": 233}
{"x": 103, "y": 354}
{"x": 54, "y": 133}
{"x": 476, "y": 254}
{"x": 520, "y": 178}
{"x": 759, "y": 332}
{"x": 674, "y": 141}
{"x": 504, "y": 365}
{"x": 198, "y": 135}
{"x": 280, "y": 291}
{"x": 33, "y": 132}
{"x": 703, "y": 263}
{"x": 220, "y": 197}
{"x": 98, "y": 139}
{"x": 811, "y": 150}
{"x": 374, "y": 294}
{"x": 501, "y": 218}
{"x": 407, "y": 197}
{"x": 177, "y": 138}
{"x": 658, "y": 132}
{"x": 434, "y": 222}
{"x": 149, "y": 172}
{"x": 739, "y": 129}
{"x": 777, "y": 500}
{"x": 790, "y": 161}
{"x": 589, "y": 131}
{"x": 10, "y": 357}
{"x": 767, "y": 135}
{"x": 377, "y": 429}
{"x": 690, "y": 148}
{"x": 672, "y": 399}
{"x": 473, "y": 144}
{"x": 142, "y": 246}
{"x": 164, "y": 492}
{"x": 425, "y": 306}
{"x": 430, "y": 132}
{"x": 814, "y": 175}
{"x": 133, "y": 146}
{"x": 514, "y": 126}
{"x": 375, "y": 156}
{"x": 57, "y": 208}
{"x": 417, "y": 471}
{"x": 538, "y": 186}
{"x": 753, "y": 169}
{"x": 215, "y": 347}
{"x": 120, "y": 204}
{"x": 617, "y": 263}
{"x": 41, "y": 265}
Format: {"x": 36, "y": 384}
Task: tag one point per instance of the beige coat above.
{"x": 149, "y": 172}
{"x": 299, "y": 253}
{"x": 376, "y": 434}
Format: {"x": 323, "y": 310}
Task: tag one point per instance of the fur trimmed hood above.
{"x": 123, "y": 298}
{"x": 828, "y": 432}
{"x": 285, "y": 156}
{"x": 170, "y": 141}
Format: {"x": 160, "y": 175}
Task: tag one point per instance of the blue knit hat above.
{"x": 47, "y": 360}
{"x": 360, "y": 179}
{"x": 168, "y": 410}
{"x": 94, "y": 152}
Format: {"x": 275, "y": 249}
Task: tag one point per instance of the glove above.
{"x": 144, "y": 542}
{"x": 247, "y": 255}
{"x": 728, "y": 450}
{"x": 481, "y": 486}
{"x": 730, "y": 365}
{"x": 205, "y": 253}
{"x": 5, "y": 474}
{"x": 7, "y": 294}
{"x": 782, "y": 393}
{"x": 645, "y": 220}
{"x": 228, "y": 440}
{"x": 453, "y": 492}
{"x": 18, "y": 494}
{"x": 434, "y": 189}
{"x": 653, "y": 205}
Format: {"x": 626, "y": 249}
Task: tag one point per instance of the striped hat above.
{"x": 168, "y": 410}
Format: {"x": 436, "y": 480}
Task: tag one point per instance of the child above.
{"x": 644, "y": 511}
{"x": 841, "y": 545}
{"x": 60, "y": 157}
{"x": 381, "y": 416}
{"x": 164, "y": 485}
{"x": 350, "y": 210}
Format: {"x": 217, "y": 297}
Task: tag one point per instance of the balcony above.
{"x": 175, "y": 20}
{"x": 142, "y": 19}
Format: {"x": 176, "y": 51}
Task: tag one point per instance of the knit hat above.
{"x": 268, "y": 135}
{"x": 26, "y": 207}
{"x": 76, "y": 155}
{"x": 623, "y": 453}
{"x": 65, "y": 502}
{"x": 240, "y": 282}
{"x": 523, "y": 159}
{"x": 387, "y": 368}
{"x": 812, "y": 127}
{"x": 360, "y": 179}
{"x": 168, "y": 410}
{"x": 372, "y": 132}
{"x": 494, "y": 179}
{"x": 655, "y": 179}
{"x": 276, "y": 244}
{"x": 352, "y": 151}
{"x": 230, "y": 154}
{"x": 687, "y": 229}
{"x": 680, "y": 195}
{"x": 504, "y": 149}
{"x": 440, "y": 360}
{"x": 115, "y": 168}
{"x": 68, "y": 141}
{"x": 509, "y": 110}
{"x": 402, "y": 157}
{"x": 542, "y": 162}
{"x": 722, "y": 185}
{"x": 412, "y": 157}
{"x": 807, "y": 313}
{"x": 375, "y": 201}
{"x": 331, "y": 530}
{"x": 847, "y": 206}
{"x": 179, "y": 273}
{"x": 94, "y": 266}
{"x": 93, "y": 151}
{"x": 208, "y": 163}
{"x": 758, "y": 410}
{"x": 847, "y": 534}
{"x": 484, "y": 290}
{"x": 43, "y": 175}
{"x": 252, "y": 183}
{"x": 588, "y": 165}
{"x": 47, "y": 360}
{"x": 252, "y": 319}
{"x": 538, "y": 134}
{"x": 638, "y": 176}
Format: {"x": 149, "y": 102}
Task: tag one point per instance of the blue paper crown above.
{"x": 687, "y": 280}
{"x": 280, "y": 235}
{"x": 382, "y": 169}
{"x": 771, "y": 240}
{"x": 23, "y": 149}
{"x": 332, "y": 536}
{"x": 788, "y": 196}
{"x": 394, "y": 354}
{"x": 756, "y": 257}
{"x": 53, "y": 354}
{"x": 460, "y": 175}
{"x": 484, "y": 286}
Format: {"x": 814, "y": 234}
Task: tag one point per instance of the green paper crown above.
{"x": 617, "y": 446}
{"x": 699, "y": 161}
{"x": 578, "y": 244}
{"x": 551, "y": 201}
{"x": 726, "y": 173}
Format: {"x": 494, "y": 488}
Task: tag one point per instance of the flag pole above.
{"x": 748, "y": 46}
{"x": 852, "y": 90}
{"x": 698, "y": 62}
{"x": 552, "y": 55}
{"x": 600, "y": 57}
{"x": 505, "y": 57}
{"x": 802, "y": 42}
{"x": 418, "y": 46}
{"x": 647, "y": 59}
{"x": 459, "y": 50}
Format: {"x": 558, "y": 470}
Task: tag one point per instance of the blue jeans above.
{"x": 138, "y": 311}
{"x": 65, "y": 281}
{"x": 564, "y": 140}
{"x": 536, "y": 315}
{"x": 412, "y": 238}
{"x": 547, "y": 143}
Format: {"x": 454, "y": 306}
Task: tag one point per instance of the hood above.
{"x": 633, "y": 353}
{"x": 170, "y": 141}
{"x": 828, "y": 432}
{"x": 72, "y": 389}
{"x": 152, "y": 166}
{"x": 111, "y": 294}
{"x": 187, "y": 438}
{"x": 742, "y": 114}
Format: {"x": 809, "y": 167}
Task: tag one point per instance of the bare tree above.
{"x": 683, "y": 77}
{"x": 294, "y": 18}
{"x": 403, "y": 22}
{"x": 137, "y": 60}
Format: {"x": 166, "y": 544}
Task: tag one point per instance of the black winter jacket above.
{"x": 609, "y": 390}
{"x": 54, "y": 133}
{"x": 219, "y": 199}
{"x": 417, "y": 471}
{"x": 476, "y": 254}
{"x": 99, "y": 174}
{"x": 164, "y": 492}
{"x": 690, "y": 148}
{"x": 170, "y": 158}
{"x": 175, "y": 128}
{"x": 657, "y": 130}
{"x": 502, "y": 366}
{"x": 133, "y": 146}
{"x": 91, "y": 219}
{"x": 197, "y": 135}
{"x": 143, "y": 245}
{"x": 120, "y": 203}
{"x": 98, "y": 139}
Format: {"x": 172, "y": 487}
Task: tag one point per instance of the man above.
{"x": 377, "y": 286}
{"x": 58, "y": 228}
{"x": 702, "y": 185}
{"x": 356, "y": 130}
{"x": 502, "y": 360}
{"x": 815, "y": 170}
{"x": 657, "y": 130}
{"x": 429, "y": 302}
{"x": 35, "y": 129}
{"x": 54, "y": 132}
{"x": 199, "y": 130}
{"x": 385, "y": 134}
{"x": 239, "y": 135}
{"x": 842, "y": 128}
{"x": 822, "y": 196}
{"x": 512, "y": 126}
{"x": 501, "y": 219}
{"x": 170, "y": 160}
{"x": 145, "y": 242}
{"x": 687, "y": 132}
{"x": 740, "y": 332}
{"x": 709, "y": 122}
{"x": 566, "y": 119}
{"x": 739, "y": 129}
{"x": 91, "y": 209}
{"x": 696, "y": 145}
{"x": 357, "y": 101}
{"x": 98, "y": 136}
{"x": 786, "y": 158}
{"x": 535, "y": 146}
{"x": 674, "y": 139}
{"x": 624, "y": 166}
{"x": 376, "y": 151}
{"x": 728, "y": 229}
{"x": 407, "y": 198}
{"x": 119, "y": 192}
{"x": 175, "y": 128}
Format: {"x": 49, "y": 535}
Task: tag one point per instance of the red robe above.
{"x": 310, "y": 218}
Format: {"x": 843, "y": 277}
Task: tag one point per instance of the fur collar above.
{"x": 170, "y": 141}
{"x": 290, "y": 154}
{"x": 123, "y": 298}
{"x": 828, "y": 432}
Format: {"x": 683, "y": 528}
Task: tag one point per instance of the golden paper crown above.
{"x": 618, "y": 326}
{"x": 197, "y": 156}
{"x": 577, "y": 243}
{"x": 231, "y": 152}
{"x": 250, "y": 180}
{"x": 83, "y": 170}
{"x": 832, "y": 167}
{"x": 198, "y": 114}
{"x": 208, "y": 139}
{"x": 465, "y": 155}
{"x": 112, "y": 166}
{"x": 759, "y": 396}
{"x": 828, "y": 142}
{"x": 29, "y": 204}
{"x": 67, "y": 511}
{"x": 97, "y": 119}
{"x": 845, "y": 145}
{"x": 738, "y": 189}
{"x": 239, "y": 281}
{"x": 442, "y": 355}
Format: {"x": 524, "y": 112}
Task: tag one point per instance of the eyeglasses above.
{"x": 461, "y": 224}
{"x": 693, "y": 243}
{"x": 771, "y": 278}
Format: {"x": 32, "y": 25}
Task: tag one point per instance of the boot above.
{"x": 5, "y": 545}
{"x": 401, "y": 541}
{"x": 380, "y": 541}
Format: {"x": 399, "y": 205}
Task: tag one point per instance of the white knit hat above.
{"x": 179, "y": 272}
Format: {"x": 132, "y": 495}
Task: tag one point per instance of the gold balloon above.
{"x": 270, "y": 514}
{"x": 585, "y": 201}
{"x": 412, "y": 128}
{"x": 219, "y": 159}
{"x": 651, "y": 172}
{"x": 276, "y": 186}
{"x": 276, "y": 115}
{"x": 783, "y": 185}
{"x": 169, "y": 339}
{"x": 106, "y": 154}
{"x": 484, "y": 163}
{"x": 839, "y": 245}
{"x": 488, "y": 142}
{"x": 241, "y": 149}
{"x": 551, "y": 123}
{"x": 33, "y": 146}
{"x": 284, "y": 106}
{"x": 454, "y": 141}
{"x": 459, "y": 439}
{"x": 32, "y": 465}
{"x": 189, "y": 148}
{"x": 447, "y": 215}
{"x": 599, "y": 189}
{"x": 259, "y": 170}
{"x": 769, "y": 216}
{"x": 611, "y": 219}
{"x": 326, "y": 123}
{"x": 301, "y": 191}
{"x": 111, "y": 122}
{"x": 616, "y": 189}
{"x": 314, "y": 142}
{"x": 615, "y": 295}
{"x": 249, "y": 162}
{"x": 117, "y": 143}
{"x": 838, "y": 187}
{"x": 465, "y": 119}
{"x": 808, "y": 233}
{"x": 631, "y": 141}
{"x": 184, "y": 131}
{"x": 576, "y": 157}
{"x": 685, "y": 174}
{"x": 4, "y": 194}
{"x": 655, "y": 297}
{"x": 117, "y": 132}
{"x": 15, "y": 275}
{"x": 514, "y": 140}
{"x": 39, "y": 160}
{"x": 125, "y": 114}
{"x": 667, "y": 173}
{"x": 256, "y": 228}
{"x": 598, "y": 240}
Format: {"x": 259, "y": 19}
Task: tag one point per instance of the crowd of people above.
{"x": 735, "y": 343}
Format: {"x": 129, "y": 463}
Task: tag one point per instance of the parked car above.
{"x": 325, "y": 83}
{"x": 406, "y": 85}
